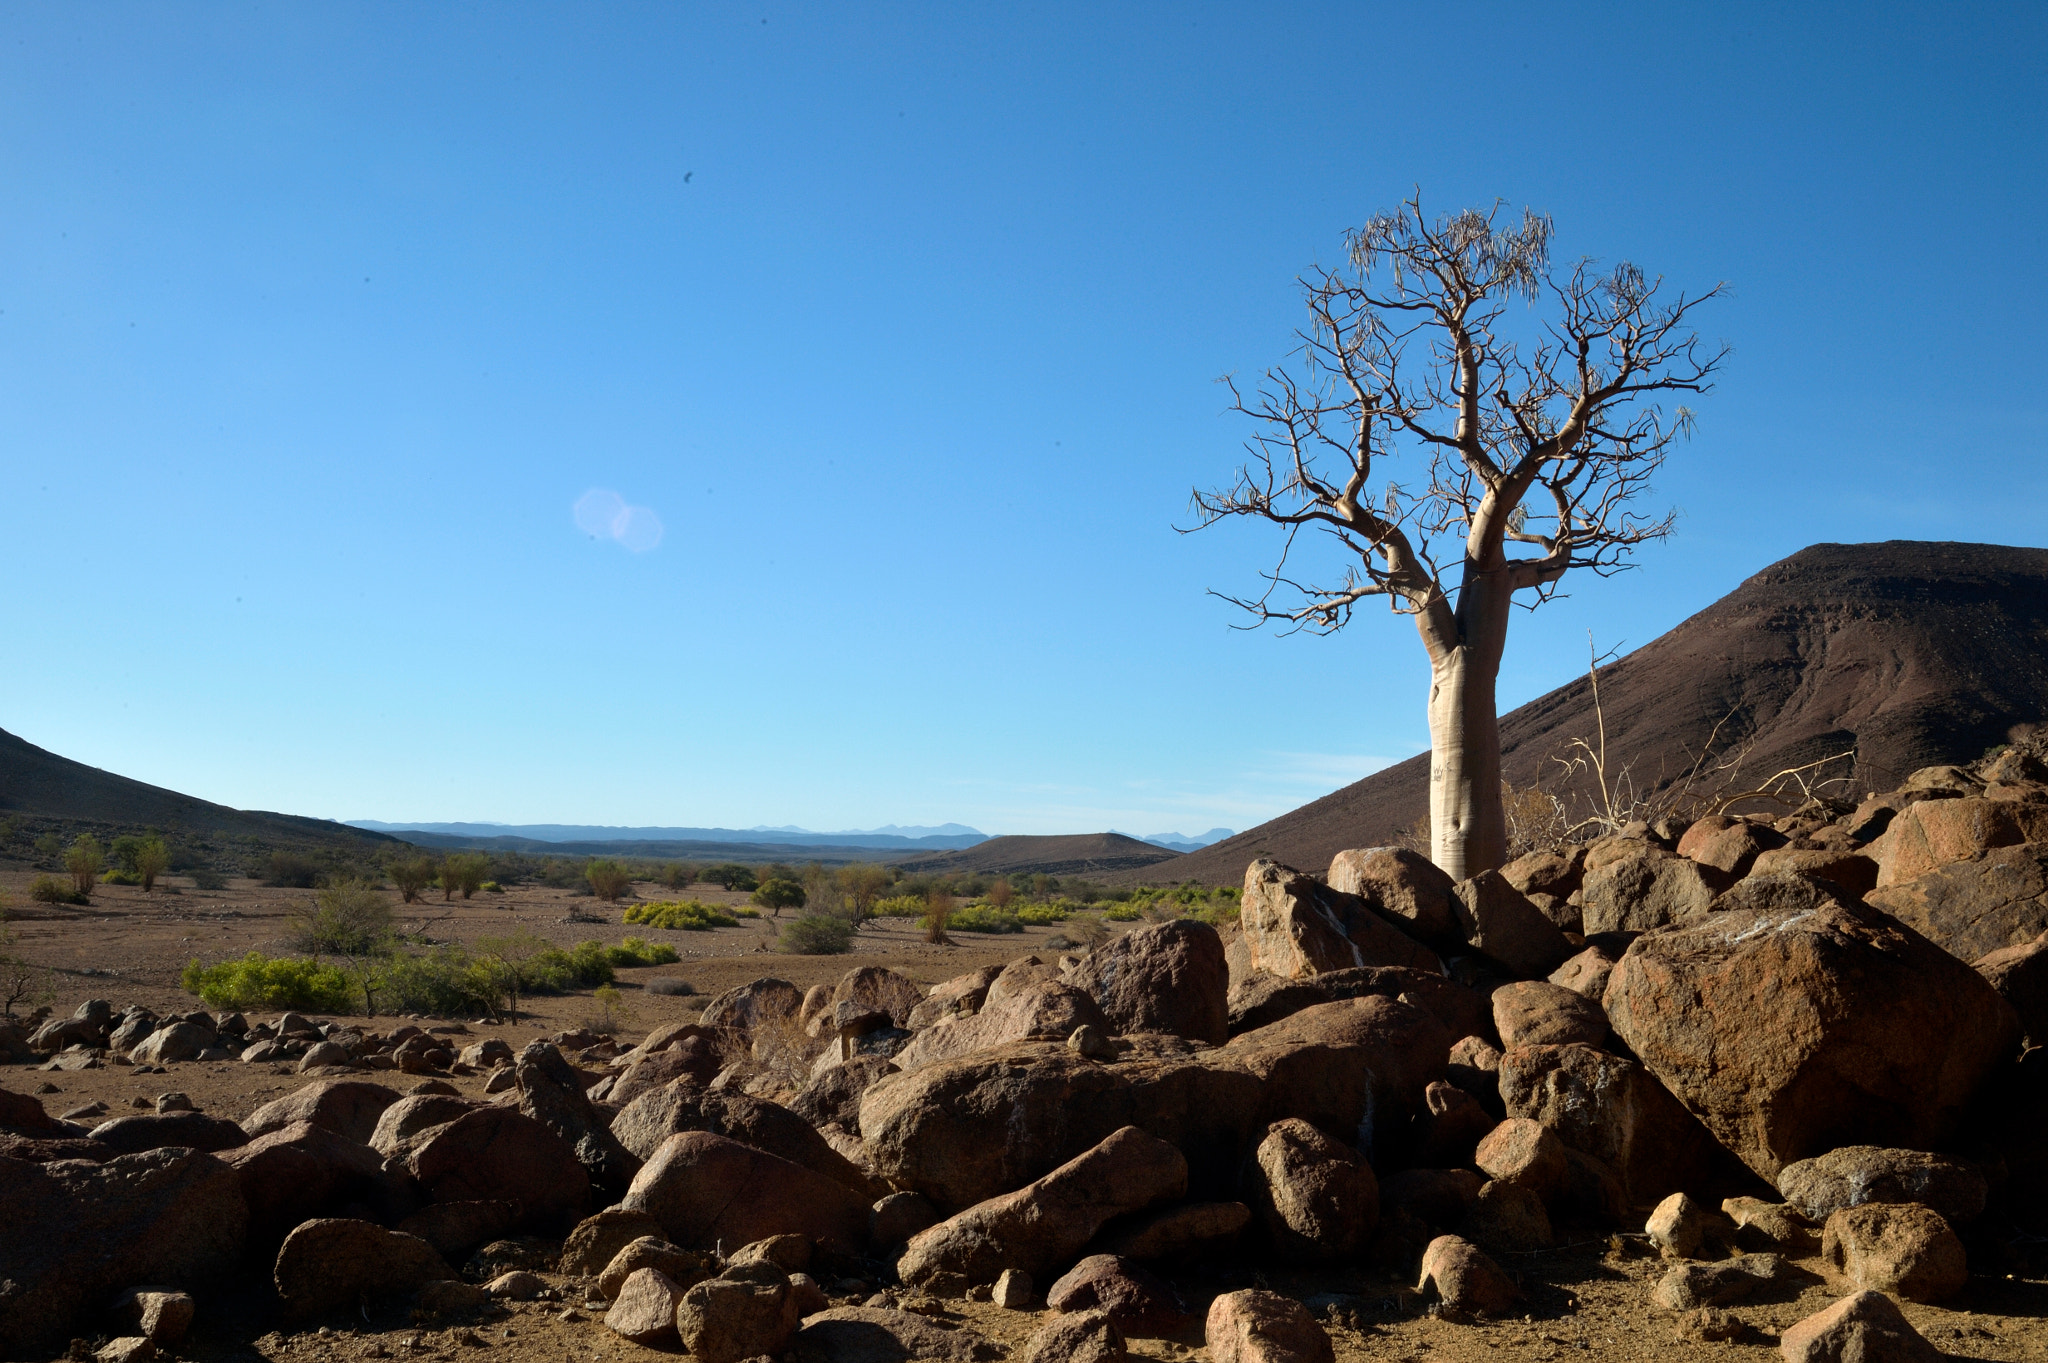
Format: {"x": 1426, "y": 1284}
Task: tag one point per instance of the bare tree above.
{"x": 1544, "y": 439}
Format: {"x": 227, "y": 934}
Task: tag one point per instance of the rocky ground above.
{"x": 1707, "y": 1088}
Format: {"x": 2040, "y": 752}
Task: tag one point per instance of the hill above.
{"x": 824, "y": 853}
{"x": 41, "y": 792}
{"x": 1078, "y": 854}
{"x": 785, "y": 840}
{"x": 1906, "y": 652}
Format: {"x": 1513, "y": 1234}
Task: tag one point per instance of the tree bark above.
{"x": 1468, "y": 828}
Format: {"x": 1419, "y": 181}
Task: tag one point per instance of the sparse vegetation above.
{"x": 984, "y": 918}
{"x": 730, "y": 875}
{"x": 50, "y": 890}
{"x": 938, "y": 912}
{"x": 464, "y": 873}
{"x": 900, "y": 906}
{"x": 410, "y": 876}
{"x": 860, "y": 885}
{"x": 671, "y": 986}
{"x": 505, "y": 958}
{"x": 610, "y": 1015}
{"x": 686, "y": 915}
{"x": 609, "y": 881}
{"x": 22, "y": 984}
{"x": 272, "y": 982}
{"x": 816, "y": 934}
{"x": 84, "y": 860}
{"x": 152, "y": 859}
{"x": 347, "y": 918}
{"x": 290, "y": 870}
{"x": 777, "y": 895}
{"x": 680, "y": 875}
{"x": 636, "y": 951}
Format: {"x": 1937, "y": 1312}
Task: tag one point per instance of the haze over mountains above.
{"x": 889, "y": 837}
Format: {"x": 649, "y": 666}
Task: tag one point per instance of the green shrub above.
{"x": 983, "y": 918}
{"x": 491, "y": 887}
{"x": 670, "y": 984}
{"x": 50, "y": 890}
{"x": 609, "y": 881}
{"x": 731, "y": 875}
{"x": 1125, "y": 912}
{"x": 900, "y": 906}
{"x": 411, "y": 875}
{"x": 290, "y": 870}
{"x": 742, "y": 911}
{"x": 637, "y": 951}
{"x": 777, "y": 895}
{"x": 444, "y": 982}
{"x": 687, "y": 915}
{"x": 464, "y": 873}
{"x": 555, "y": 971}
{"x": 816, "y": 934}
{"x": 348, "y": 918}
{"x": 257, "y": 981}
{"x": 1038, "y": 915}
{"x": 84, "y": 859}
{"x": 206, "y": 878}
{"x": 120, "y": 877}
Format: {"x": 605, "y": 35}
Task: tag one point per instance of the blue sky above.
{"x": 899, "y": 325}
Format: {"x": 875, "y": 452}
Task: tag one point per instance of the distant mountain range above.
{"x": 1181, "y": 842}
{"x": 892, "y": 837}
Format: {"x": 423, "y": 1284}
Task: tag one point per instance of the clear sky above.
{"x": 886, "y": 337}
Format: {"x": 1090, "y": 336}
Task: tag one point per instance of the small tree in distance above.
{"x": 777, "y": 895}
{"x": 1409, "y": 353}
{"x": 411, "y": 876}
{"x": 83, "y": 861}
{"x": 466, "y": 871}
{"x": 609, "y": 881}
{"x": 862, "y": 883}
{"x": 938, "y": 911}
{"x": 152, "y": 859}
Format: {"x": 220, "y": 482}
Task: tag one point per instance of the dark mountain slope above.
{"x": 1907, "y": 652}
{"x": 1080, "y": 854}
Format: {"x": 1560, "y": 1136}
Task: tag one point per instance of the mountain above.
{"x": 43, "y": 792}
{"x": 1907, "y": 653}
{"x": 1079, "y": 854}
{"x": 890, "y": 838}
{"x": 1181, "y": 842}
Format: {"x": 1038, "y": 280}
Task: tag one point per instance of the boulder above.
{"x": 1727, "y": 845}
{"x": 1014, "y": 1290}
{"x": 961, "y": 994}
{"x": 741, "y": 1314}
{"x": 1498, "y": 921}
{"x": 1294, "y": 925}
{"x": 1047, "y": 1222}
{"x": 161, "y": 1131}
{"x": 1169, "y": 977}
{"x": 1316, "y": 1199}
{"x": 751, "y": 1007}
{"x": 643, "y": 1309}
{"x": 1856, "y": 1174}
{"x": 1935, "y": 833}
{"x": 1688, "y": 1287}
{"x": 1586, "y": 974}
{"x": 1864, "y": 1328}
{"x": 1348, "y": 1066}
{"x": 1772, "y": 1226}
{"x": 334, "y": 1263}
{"x": 1045, "y": 1010}
{"x": 1557, "y": 872}
{"x": 599, "y": 1237}
{"x": 1524, "y": 1153}
{"x": 1649, "y": 889}
{"x": 1611, "y": 1109}
{"x": 1402, "y": 886}
{"x": 1537, "y": 1013}
{"x": 158, "y": 1315}
{"x": 2020, "y": 975}
{"x": 1591, "y": 1192}
{"x": 867, "y": 1334}
{"x": 298, "y": 1172}
{"x": 694, "y": 1057}
{"x": 406, "y": 1122}
{"x": 897, "y": 1217}
{"x": 1459, "y": 1274}
{"x": 1792, "y": 1018}
{"x": 347, "y": 1107}
{"x": 833, "y": 1097}
{"x": 1848, "y": 871}
{"x": 1453, "y": 1124}
{"x": 1436, "y": 1197}
{"x": 1994, "y": 900}
{"x": 173, "y": 1217}
{"x": 1084, "y": 1337}
{"x": 681, "y": 1267}
{"x": 1188, "y": 1230}
{"x": 1263, "y": 999}
{"x": 649, "y": 1120}
{"x": 127, "y": 1349}
{"x": 877, "y": 989}
{"x": 1905, "y": 1249}
{"x": 171, "y": 1044}
{"x": 707, "y": 1190}
{"x": 552, "y": 1093}
{"x": 1139, "y": 1303}
{"x": 1684, "y": 1229}
{"x": 496, "y": 1153}
{"x": 1254, "y": 1326}
{"x": 1509, "y": 1219}
{"x": 456, "y": 1228}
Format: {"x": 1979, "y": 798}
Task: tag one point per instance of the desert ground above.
{"x": 1587, "y": 1298}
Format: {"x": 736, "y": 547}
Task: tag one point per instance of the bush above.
{"x": 611, "y": 1015}
{"x": 491, "y": 887}
{"x": 442, "y": 983}
{"x": 983, "y": 918}
{"x": 731, "y": 876}
{"x": 680, "y": 875}
{"x": 1039, "y": 915}
{"x": 289, "y": 870}
{"x": 687, "y": 915}
{"x": 411, "y": 875}
{"x": 816, "y": 934}
{"x": 120, "y": 877}
{"x": 464, "y": 872}
{"x": 670, "y": 985}
{"x": 50, "y": 890}
{"x": 1126, "y": 912}
{"x": 348, "y": 918}
{"x": 777, "y": 895}
{"x": 257, "y": 981}
{"x": 635, "y": 951}
{"x": 900, "y": 906}
{"x": 152, "y": 859}
{"x": 206, "y": 878}
{"x": 609, "y": 881}
{"x": 84, "y": 859}
{"x": 552, "y": 970}
{"x": 938, "y": 911}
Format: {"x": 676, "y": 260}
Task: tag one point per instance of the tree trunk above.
{"x": 1468, "y": 832}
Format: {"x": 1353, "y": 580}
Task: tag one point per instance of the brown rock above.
{"x": 128, "y": 1349}
{"x": 518, "y": 1285}
{"x": 707, "y": 1189}
{"x": 347, "y": 1107}
{"x": 833, "y": 1097}
{"x": 1684, "y": 1229}
{"x": 1084, "y": 1337}
{"x": 745, "y": 1312}
{"x": 1140, "y": 1304}
{"x": 961, "y": 994}
{"x": 1264, "y": 1327}
{"x": 1586, "y": 974}
{"x": 1169, "y": 977}
{"x": 750, "y": 1007}
{"x": 1046, "y": 1010}
{"x": 897, "y": 1217}
{"x": 681, "y": 1267}
{"x": 298, "y": 1172}
{"x": 878, "y": 989}
{"x": 1500, "y": 923}
{"x": 1453, "y": 1126}
{"x": 1184, "y": 1231}
{"x": 692, "y": 1057}
{"x": 868, "y": 1334}
{"x": 598, "y": 1238}
{"x": 1557, "y": 872}
{"x": 1316, "y": 1199}
{"x": 1525, "y": 1154}
{"x": 160, "y": 1315}
{"x": 1847, "y": 870}
{"x": 402, "y": 1125}
{"x": 456, "y": 1228}
{"x": 552, "y": 1093}
{"x": 1509, "y": 1219}
{"x": 1264, "y": 999}
{"x": 1295, "y": 926}
{"x": 1336, "y": 1062}
{"x": 1863, "y": 1328}
{"x": 1857, "y": 1174}
{"x": 1013, "y": 1290}
{"x": 1437, "y": 1197}
{"x": 1730, "y": 846}
{"x": 497, "y": 1154}
{"x": 162, "y": 1131}
{"x": 1048, "y": 1221}
{"x": 1611, "y": 1109}
{"x": 169, "y": 1045}
{"x": 1989, "y": 902}
{"x": 1457, "y": 1273}
{"x": 1792, "y": 1016}
{"x": 1937, "y": 833}
{"x": 1590, "y": 1192}
{"x": 1650, "y": 889}
{"x": 2020, "y": 975}
{"x": 644, "y": 1308}
{"x": 1761, "y": 1225}
{"x": 1537, "y": 1013}
{"x": 649, "y": 1120}
{"x": 333, "y": 1263}
{"x": 1402, "y": 886}
{"x": 1688, "y": 1287}
{"x": 1905, "y": 1249}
